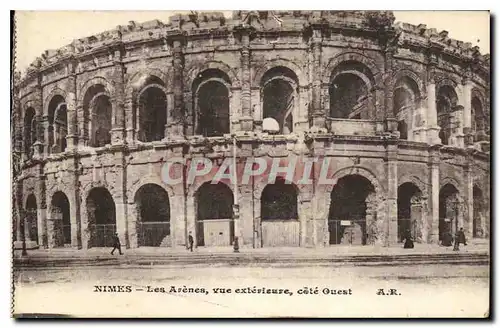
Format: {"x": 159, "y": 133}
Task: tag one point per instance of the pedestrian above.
{"x": 461, "y": 237}
{"x": 116, "y": 244}
{"x": 190, "y": 241}
{"x": 408, "y": 240}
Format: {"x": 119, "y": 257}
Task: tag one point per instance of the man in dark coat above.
{"x": 461, "y": 237}
{"x": 116, "y": 244}
{"x": 408, "y": 240}
{"x": 190, "y": 241}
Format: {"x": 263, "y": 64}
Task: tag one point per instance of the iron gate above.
{"x": 355, "y": 233}
{"x": 154, "y": 234}
{"x": 215, "y": 232}
{"x": 67, "y": 233}
{"x": 102, "y": 234}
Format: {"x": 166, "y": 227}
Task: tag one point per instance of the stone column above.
{"x": 466, "y": 102}
{"x": 432, "y": 122}
{"x": 120, "y": 198}
{"x": 177, "y": 220}
{"x": 468, "y": 199}
{"x": 434, "y": 159}
{"x": 246, "y": 213}
{"x": 246, "y": 119}
{"x": 318, "y": 116}
{"x": 72, "y": 136}
{"x": 129, "y": 120}
{"x": 45, "y": 124}
{"x": 175, "y": 119}
{"x": 118, "y": 119}
{"x": 417, "y": 220}
{"x": 391, "y": 123}
{"x": 191, "y": 217}
{"x": 391, "y": 232}
{"x": 372, "y": 226}
{"x": 133, "y": 236}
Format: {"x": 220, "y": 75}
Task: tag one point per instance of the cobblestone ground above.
{"x": 421, "y": 290}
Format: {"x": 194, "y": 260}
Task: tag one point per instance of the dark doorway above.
{"x": 448, "y": 210}
{"x": 347, "y": 219}
{"x": 215, "y": 224}
{"x": 31, "y": 220}
{"x": 153, "y": 209}
{"x": 408, "y": 207}
{"x": 279, "y": 215}
{"x": 60, "y": 216}
{"x": 478, "y": 208}
{"x": 101, "y": 217}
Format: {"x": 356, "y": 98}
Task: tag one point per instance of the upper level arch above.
{"x": 141, "y": 79}
{"x": 87, "y": 86}
{"x": 193, "y": 73}
{"x": 281, "y": 62}
{"x": 53, "y": 94}
{"x": 350, "y": 57}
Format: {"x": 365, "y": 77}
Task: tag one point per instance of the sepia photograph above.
{"x": 251, "y": 164}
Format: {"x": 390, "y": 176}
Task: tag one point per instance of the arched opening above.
{"x": 152, "y": 113}
{"x": 31, "y": 219}
{"x": 279, "y": 214}
{"x": 153, "y": 214}
{"x": 351, "y": 94}
{"x": 97, "y": 116}
{"x": 449, "y": 207}
{"x": 211, "y": 103}
{"x": 406, "y": 100}
{"x": 478, "y": 213}
{"x": 409, "y": 211}
{"x": 477, "y": 119}
{"x": 279, "y": 97}
{"x": 446, "y": 104}
{"x": 101, "y": 214}
{"x": 58, "y": 124}
{"x": 60, "y": 218}
{"x": 352, "y": 211}
{"x": 29, "y": 131}
{"x": 215, "y": 225}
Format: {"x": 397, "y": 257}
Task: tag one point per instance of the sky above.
{"x": 38, "y": 31}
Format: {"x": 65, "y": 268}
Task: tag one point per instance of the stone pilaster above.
{"x": 246, "y": 119}
{"x": 175, "y": 117}
{"x": 133, "y": 233}
{"x": 47, "y": 135}
{"x": 191, "y": 217}
{"x": 391, "y": 125}
{"x": 72, "y": 136}
{"x": 41, "y": 195}
{"x": 318, "y": 115}
{"x": 468, "y": 198}
{"x": 433, "y": 223}
{"x": 432, "y": 122}
{"x": 391, "y": 227}
{"x": 466, "y": 102}
{"x": 118, "y": 119}
{"x": 129, "y": 120}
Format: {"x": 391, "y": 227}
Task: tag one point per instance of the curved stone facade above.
{"x": 400, "y": 113}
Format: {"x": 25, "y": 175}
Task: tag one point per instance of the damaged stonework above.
{"x": 401, "y": 113}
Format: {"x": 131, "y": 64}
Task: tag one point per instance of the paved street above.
{"x": 433, "y": 290}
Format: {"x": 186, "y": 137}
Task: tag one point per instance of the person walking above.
{"x": 116, "y": 244}
{"x": 190, "y": 241}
